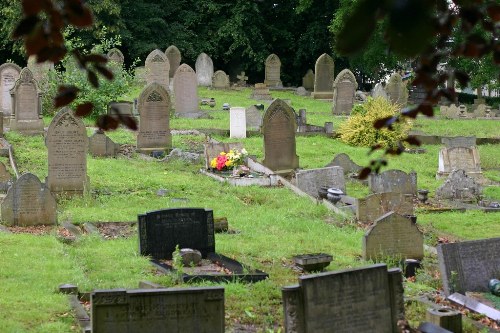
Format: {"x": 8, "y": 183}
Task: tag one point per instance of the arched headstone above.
{"x": 40, "y": 72}
{"x": 186, "y": 91}
{"x": 308, "y": 80}
{"x": 204, "y": 68}
{"x": 273, "y": 71}
{"x": 323, "y": 79}
{"x": 396, "y": 90}
{"x": 220, "y": 80}
{"x": 174, "y": 58}
{"x": 116, "y": 56}
{"x": 344, "y": 89}
{"x": 157, "y": 68}
{"x": 9, "y": 73}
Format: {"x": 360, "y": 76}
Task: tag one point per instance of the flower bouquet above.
{"x": 229, "y": 161}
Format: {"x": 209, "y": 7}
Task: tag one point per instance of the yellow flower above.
{"x": 213, "y": 162}
{"x": 229, "y": 163}
{"x": 222, "y": 153}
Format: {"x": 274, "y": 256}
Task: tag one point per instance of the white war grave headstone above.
{"x": 237, "y": 123}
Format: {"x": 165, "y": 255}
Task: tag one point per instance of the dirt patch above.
{"x": 204, "y": 267}
{"x": 114, "y": 230}
{"x": 39, "y": 230}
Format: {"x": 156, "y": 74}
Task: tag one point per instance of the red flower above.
{"x": 221, "y": 162}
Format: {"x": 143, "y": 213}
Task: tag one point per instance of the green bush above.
{"x": 358, "y": 130}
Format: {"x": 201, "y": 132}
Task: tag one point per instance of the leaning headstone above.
{"x": 459, "y": 153}
{"x": 393, "y": 181}
{"x": 261, "y": 92}
{"x": 29, "y": 202}
{"x": 344, "y": 88}
{"x": 220, "y": 80}
{"x": 102, "y": 146}
{"x": 212, "y": 150}
{"x": 116, "y": 56}
{"x": 367, "y": 299}
{"x": 459, "y": 186}
{"x": 185, "y": 91}
{"x": 469, "y": 266}
{"x": 26, "y": 115}
{"x": 157, "y": 68}
{"x": 204, "y": 68}
{"x": 67, "y": 146}
{"x": 179, "y": 310}
{"x": 379, "y": 91}
{"x": 393, "y": 235}
{"x": 253, "y": 118}
{"x": 162, "y": 230}
{"x": 40, "y": 72}
{"x": 324, "y": 75}
{"x": 237, "y": 123}
{"x": 310, "y": 181}
{"x": 9, "y": 73}
{"x": 154, "y": 124}
{"x": 273, "y": 71}
{"x": 279, "y": 127}
{"x": 375, "y": 205}
{"x": 343, "y": 160}
{"x": 174, "y": 58}
{"x": 308, "y": 80}
{"x": 396, "y": 90}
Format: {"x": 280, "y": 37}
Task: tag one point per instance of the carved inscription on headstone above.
{"x": 185, "y": 90}
{"x": 157, "y": 68}
{"x": 174, "y": 58}
{"x": 273, "y": 71}
{"x": 344, "y": 88}
{"x": 9, "y": 73}
{"x": 310, "y": 181}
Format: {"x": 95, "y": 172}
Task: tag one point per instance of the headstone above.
{"x": 459, "y": 153}
{"x": 480, "y": 111}
{"x": 310, "y": 181}
{"x": 393, "y": 181}
{"x": 396, "y": 90}
{"x": 308, "y": 80}
{"x": 29, "y": 202}
{"x": 122, "y": 107}
{"x": 140, "y": 74}
{"x": 220, "y": 80}
{"x": 324, "y": 75}
{"x": 176, "y": 310}
{"x": 26, "y": 115}
{"x": 261, "y": 92}
{"x": 154, "y": 125}
{"x": 253, "y": 118}
{"x": 212, "y": 150}
{"x": 157, "y": 68}
{"x": 116, "y": 56}
{"x": 101, "y": 145}
{"x": 344, "y": 88}
{"x": 67, "y": 145}
{"x": 449, "y": 112}
{"x": 459, "y": 186}
{"x": 343, "y": 160}
{"x": 237, "y": 123}
{"x": 4, "y": 174}
{"x": 174, "y": 58}
{"x": 468, "y": 266}
{"x": 368, "y": 299}
{"x": 379, "y": 91}
{"x": 459, "y": 141}
{"x": 9, "y": 73}
{"x": 186, "y": 91}
{"x": 375, "y": 205}
{"x": 40, "y": 72}
{"x": 162, "y": 230}
{"x": 301, "y": 91}
{"x": 273, "y": 71}
{"x": 462, "y": 112}
{"x": 204, "y": 68}
{"x": 242, "y": 79}
{"x": 279, "y": 127}
{"x": 393, "y": 235}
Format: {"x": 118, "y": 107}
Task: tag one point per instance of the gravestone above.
{"x": 468, "y": 266}
{"x": 396, "y": 89}
{"x": 40, "y": 72}
{"x": 449, "y": 112}
{"x": 308, "y": 80}
{"x": 212, "y": 150}
{"x": 379, "y": 91}
{"x": 344, "y": 88}
{"x": 459, "y": 141}
{"x": 29, "y": 202}
{"x": 185, "y": 91}
{"x": 261, "y": 92}
{"x": 157, "y": 68}
{"x": 204, "y": 68}
{"x": 67, "y": 146}
{"x": 459, "y": 153}
{"x": 220, "y": 80}
{"x": 174, "y": 58}
{"x": 125, "y": 108}
{"x": 344, "y": 161}
{"x": 375, "y": 205}
{"x": 459, "y": 186}
{"x": 162, "y": 230}
{"x": 310, "y": 181}
{"x": 9, "y": 73}
{"x": 102, "y": 146}
{"x": 154, "y": 124}
{"x": 116, "y": 56}
{"x": 324, "y": 75}
{"x": 393, "y": 181}
{"x": 393, "y": 235}
{"x": 253, "y": 118}
{"x": 279, "y": 127}
{"x": 4, "y": 174}
{"x": 301, "y": 91}
{"x": 480, "y": 111}
{"x": 242, "y": 79}
{"x": 237, "y": 123}
{"x": 173, "y": 310}
{"x": 367, "y": 299}
{"x": 26, "y": 115}
{"x": 462, "y": 112}
{"x": 273, "y": 71}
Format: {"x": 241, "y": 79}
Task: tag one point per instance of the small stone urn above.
{"x": 422, "y": 195}
{"x": 211, "y": 102}
{"x": 334, "y": 195}
{"x": 323, "y": 192}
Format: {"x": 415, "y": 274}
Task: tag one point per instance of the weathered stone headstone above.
{"x": 204, "y": 68}
{"x": 480, "y": 111}
{"x": 237, "y": 123}
{"x": 279, "y": 127}
{"x": 301, "y": 91}
{"x": 101, "y": 145}
{"x": 459, "y": 141}
{"x": 393, "y": 235}
{"x": 162, "y": 230}
{"x": 253, "y": 118}
{"x": 116, "y": 56}
{"x": 26, "y": 105}
{"x": 174, "y": 58}
{"x": 344, "y": 88}
{"x": 379, "y": 91}
{"x": 4, "y": 174}
{"x": 449, "y": 112}
{"x": 459, "y": 186}
{"x": 9, "y": 73}
{"x": 29, "y": 202}
{"x": 242, "y": 79}
{"x": 375, "y": 205}
{"x": 154, "y": 125}
{"x": 176, "y": 310}
{"x": 393, "y": 181}
{"x": 396, "y": 90}
{"x": 186, "y": 91}
{"x": 324, "y": 75}
{"x": 273, "y": 71}
{"x": 261, "y": 92}
{"x": 157, "y": 68}
{"x": 122, "y": 107}
{"x": 343, "y": 160}
{"x": 67, "y": 146}
{"x": 308, "y": 80}
{"x": 310, "y": 181}
{"x": 40, "y": 72}
{"x": 212, "y": 150}
{"x": 220, "y": 80}
{"x": 468, "y": 266}
{"x": 368, "y": 299}
{"x": 459, "y": 153}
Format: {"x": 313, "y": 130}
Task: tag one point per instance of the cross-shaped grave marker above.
{"x": 242, "y": 79}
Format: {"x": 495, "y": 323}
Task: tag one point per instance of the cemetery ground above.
{"x": 270, "y": 225}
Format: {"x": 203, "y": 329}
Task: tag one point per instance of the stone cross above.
{"x": 242, "y": 78}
